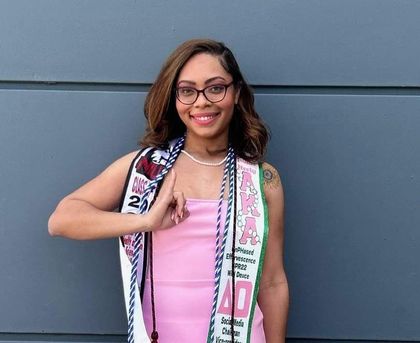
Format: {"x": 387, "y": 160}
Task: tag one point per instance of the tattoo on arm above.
{"x": 271, "y": 176}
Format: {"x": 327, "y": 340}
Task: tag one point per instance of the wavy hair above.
{"x": 247, "y": 133}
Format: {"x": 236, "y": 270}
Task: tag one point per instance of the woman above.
{"x": 208, "y": 256}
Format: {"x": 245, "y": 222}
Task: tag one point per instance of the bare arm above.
{"x": 273, "y": 296}
{"x": 87, "y": 213}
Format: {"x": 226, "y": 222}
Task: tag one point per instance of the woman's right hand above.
{"x": 169, "y": 208}
{"x": 88, "y": 212}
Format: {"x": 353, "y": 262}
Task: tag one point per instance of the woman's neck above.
{"x": 202, "y": 147}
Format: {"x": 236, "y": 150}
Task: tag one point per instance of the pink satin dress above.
{"x": 183, "y": 271}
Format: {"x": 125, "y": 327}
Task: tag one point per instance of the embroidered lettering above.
{"x": 139, "y": 185}
{"x": 249, "y": 204}
{"x": 250, "y": 232}
{"x": 243, "y": 292}
{"x": 246, "y": 181}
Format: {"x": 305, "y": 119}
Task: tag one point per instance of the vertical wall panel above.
{"x": 54, "y": 142}
{"x": 352, "y": 188}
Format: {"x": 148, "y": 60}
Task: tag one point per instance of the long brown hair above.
{"x": 247, "y": 133}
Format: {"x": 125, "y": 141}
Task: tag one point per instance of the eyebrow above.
{"x": 205, "y": 82}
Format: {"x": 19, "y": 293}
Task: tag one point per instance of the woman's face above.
{"x": 203, "y": 118}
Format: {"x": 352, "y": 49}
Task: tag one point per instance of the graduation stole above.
{"x": 250, "y": 238}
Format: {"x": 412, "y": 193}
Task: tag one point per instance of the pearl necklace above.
{"x": 209, "y": 164}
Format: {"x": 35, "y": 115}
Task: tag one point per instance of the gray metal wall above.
{"x": 338, "y": 82}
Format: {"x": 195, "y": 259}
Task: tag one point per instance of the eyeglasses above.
{"x": 213, "y": 93}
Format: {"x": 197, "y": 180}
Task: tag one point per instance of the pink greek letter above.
{"x": 248, "y": 202}
{"x": 250, "y": 232}
{"x": 246, "y": 181}
{"x": 243, "y": 294}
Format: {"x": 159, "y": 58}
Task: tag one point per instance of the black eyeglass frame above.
{"x": 198, "y": 91}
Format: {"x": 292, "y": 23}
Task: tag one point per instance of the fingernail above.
{"x": 172, "y": 216}
{"x": 177, "y": 220}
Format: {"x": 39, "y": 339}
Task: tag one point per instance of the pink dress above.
{"x": 183, "y": 268}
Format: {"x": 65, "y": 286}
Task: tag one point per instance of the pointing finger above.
{"x": 180, "y": 203}
{"x": 166, "y": 192}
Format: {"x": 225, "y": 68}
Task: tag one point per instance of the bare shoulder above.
{"x": 273, "y": 188}
{"x": 116, "y": 172}
{"x": 123, "y": 163}
{"x": 104, "y": 191}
